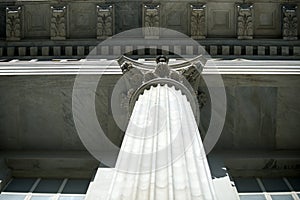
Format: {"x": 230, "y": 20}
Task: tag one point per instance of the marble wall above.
{"x": 36, "y": 113}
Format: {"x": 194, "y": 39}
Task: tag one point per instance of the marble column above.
{"x": 162, "y": 155}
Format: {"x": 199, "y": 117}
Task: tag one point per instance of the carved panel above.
{"x": 37, "y": 20}
{"x": 198, "y": 21}
{"x": 126, "y": 17}
{"x": 13, "y": 23}
{"x": 174, "y": 16}
{"x": 82, "y": 20}
{"x": 221, "y": 19}
{"x": 266, "y": 20}
{"x": 58, "y": 22}
{"x": 289, "y": 22}
{"x": 151, "y": 21}
{"x": 105, "y": 21}
{"x": 245, "y": 21}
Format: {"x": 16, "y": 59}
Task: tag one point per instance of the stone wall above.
{"x": 220, "y": 18}
{"x": 51, "y": 23}
{"x": 36, "y": 114}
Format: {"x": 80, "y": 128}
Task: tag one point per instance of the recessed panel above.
{"x": 37, "y": 20}
{"x": 174, "y": 16}
{"x": 82, "y": 21}
{"x": 267, "y": 20}
{"x": 221, "y": 20}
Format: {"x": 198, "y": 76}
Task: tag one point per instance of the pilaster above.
{"x": 105, "y": 21}
{"x": 58, "y": 22}
{"x": 151, "y": 21}
{"x": 198, "y": 21}
{"x": 245, "y": 21}
{"x": 289, "y": 22}
{"x": 13, "y": 23}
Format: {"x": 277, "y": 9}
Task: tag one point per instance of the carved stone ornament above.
{"x": 245, "y": 21}
{"x": 104, "y": 21}
{"x": 202, "y": 98}
{"x": 13, "y": 23}
{"x": 58, "y": 23}
{"x": 138, "y": 75}
{"x": 151, "y": 21}
{"x": 289, "y": 22}
{"x": 198, "y": 21}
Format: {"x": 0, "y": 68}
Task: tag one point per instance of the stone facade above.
{"x": 212, "y": 19}
{"x": 36, "y": 116}
{"x": 44, "y": 25}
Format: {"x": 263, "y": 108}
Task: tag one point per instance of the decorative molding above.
{"x": 58, "y": 23}
{"x": 192, "y": 75}
{"x": 289, "y": 22}
{"x": 245, "y": 21}
{"x": 151, "y": 20}
{"x": 105, "y": 21}
{"x": 198, "y": 21}
{"x": 13, "y": 23}
{"x": 76, "y": 49}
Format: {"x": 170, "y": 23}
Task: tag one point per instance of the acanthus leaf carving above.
{"x": 151, "y": 21}
{"x": 13, "y": 23}
{"x": 58, "y": 23}
{"x": 202, "y": 98}
{"x": 105, "y": 21}
{"x": 289, "y": 22}
{"x": 198, "y": 21}
{"x": 245, "y": 21}
{"x": 138, "y": 77}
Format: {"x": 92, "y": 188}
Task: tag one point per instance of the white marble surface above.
{"x": 162, "y": 156}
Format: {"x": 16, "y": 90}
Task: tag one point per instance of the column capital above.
{"x": 140, "y": 76}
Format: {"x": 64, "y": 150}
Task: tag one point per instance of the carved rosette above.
{"x": 58, "y": 23}
{"x": 289, "y": 22}
{"x": 245, "y": 21}
{"x": 105, "y": 16}
{"x": 151, "y": 20}
{"x": 13, "y": 23}
{"x": 198, "y": 21}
